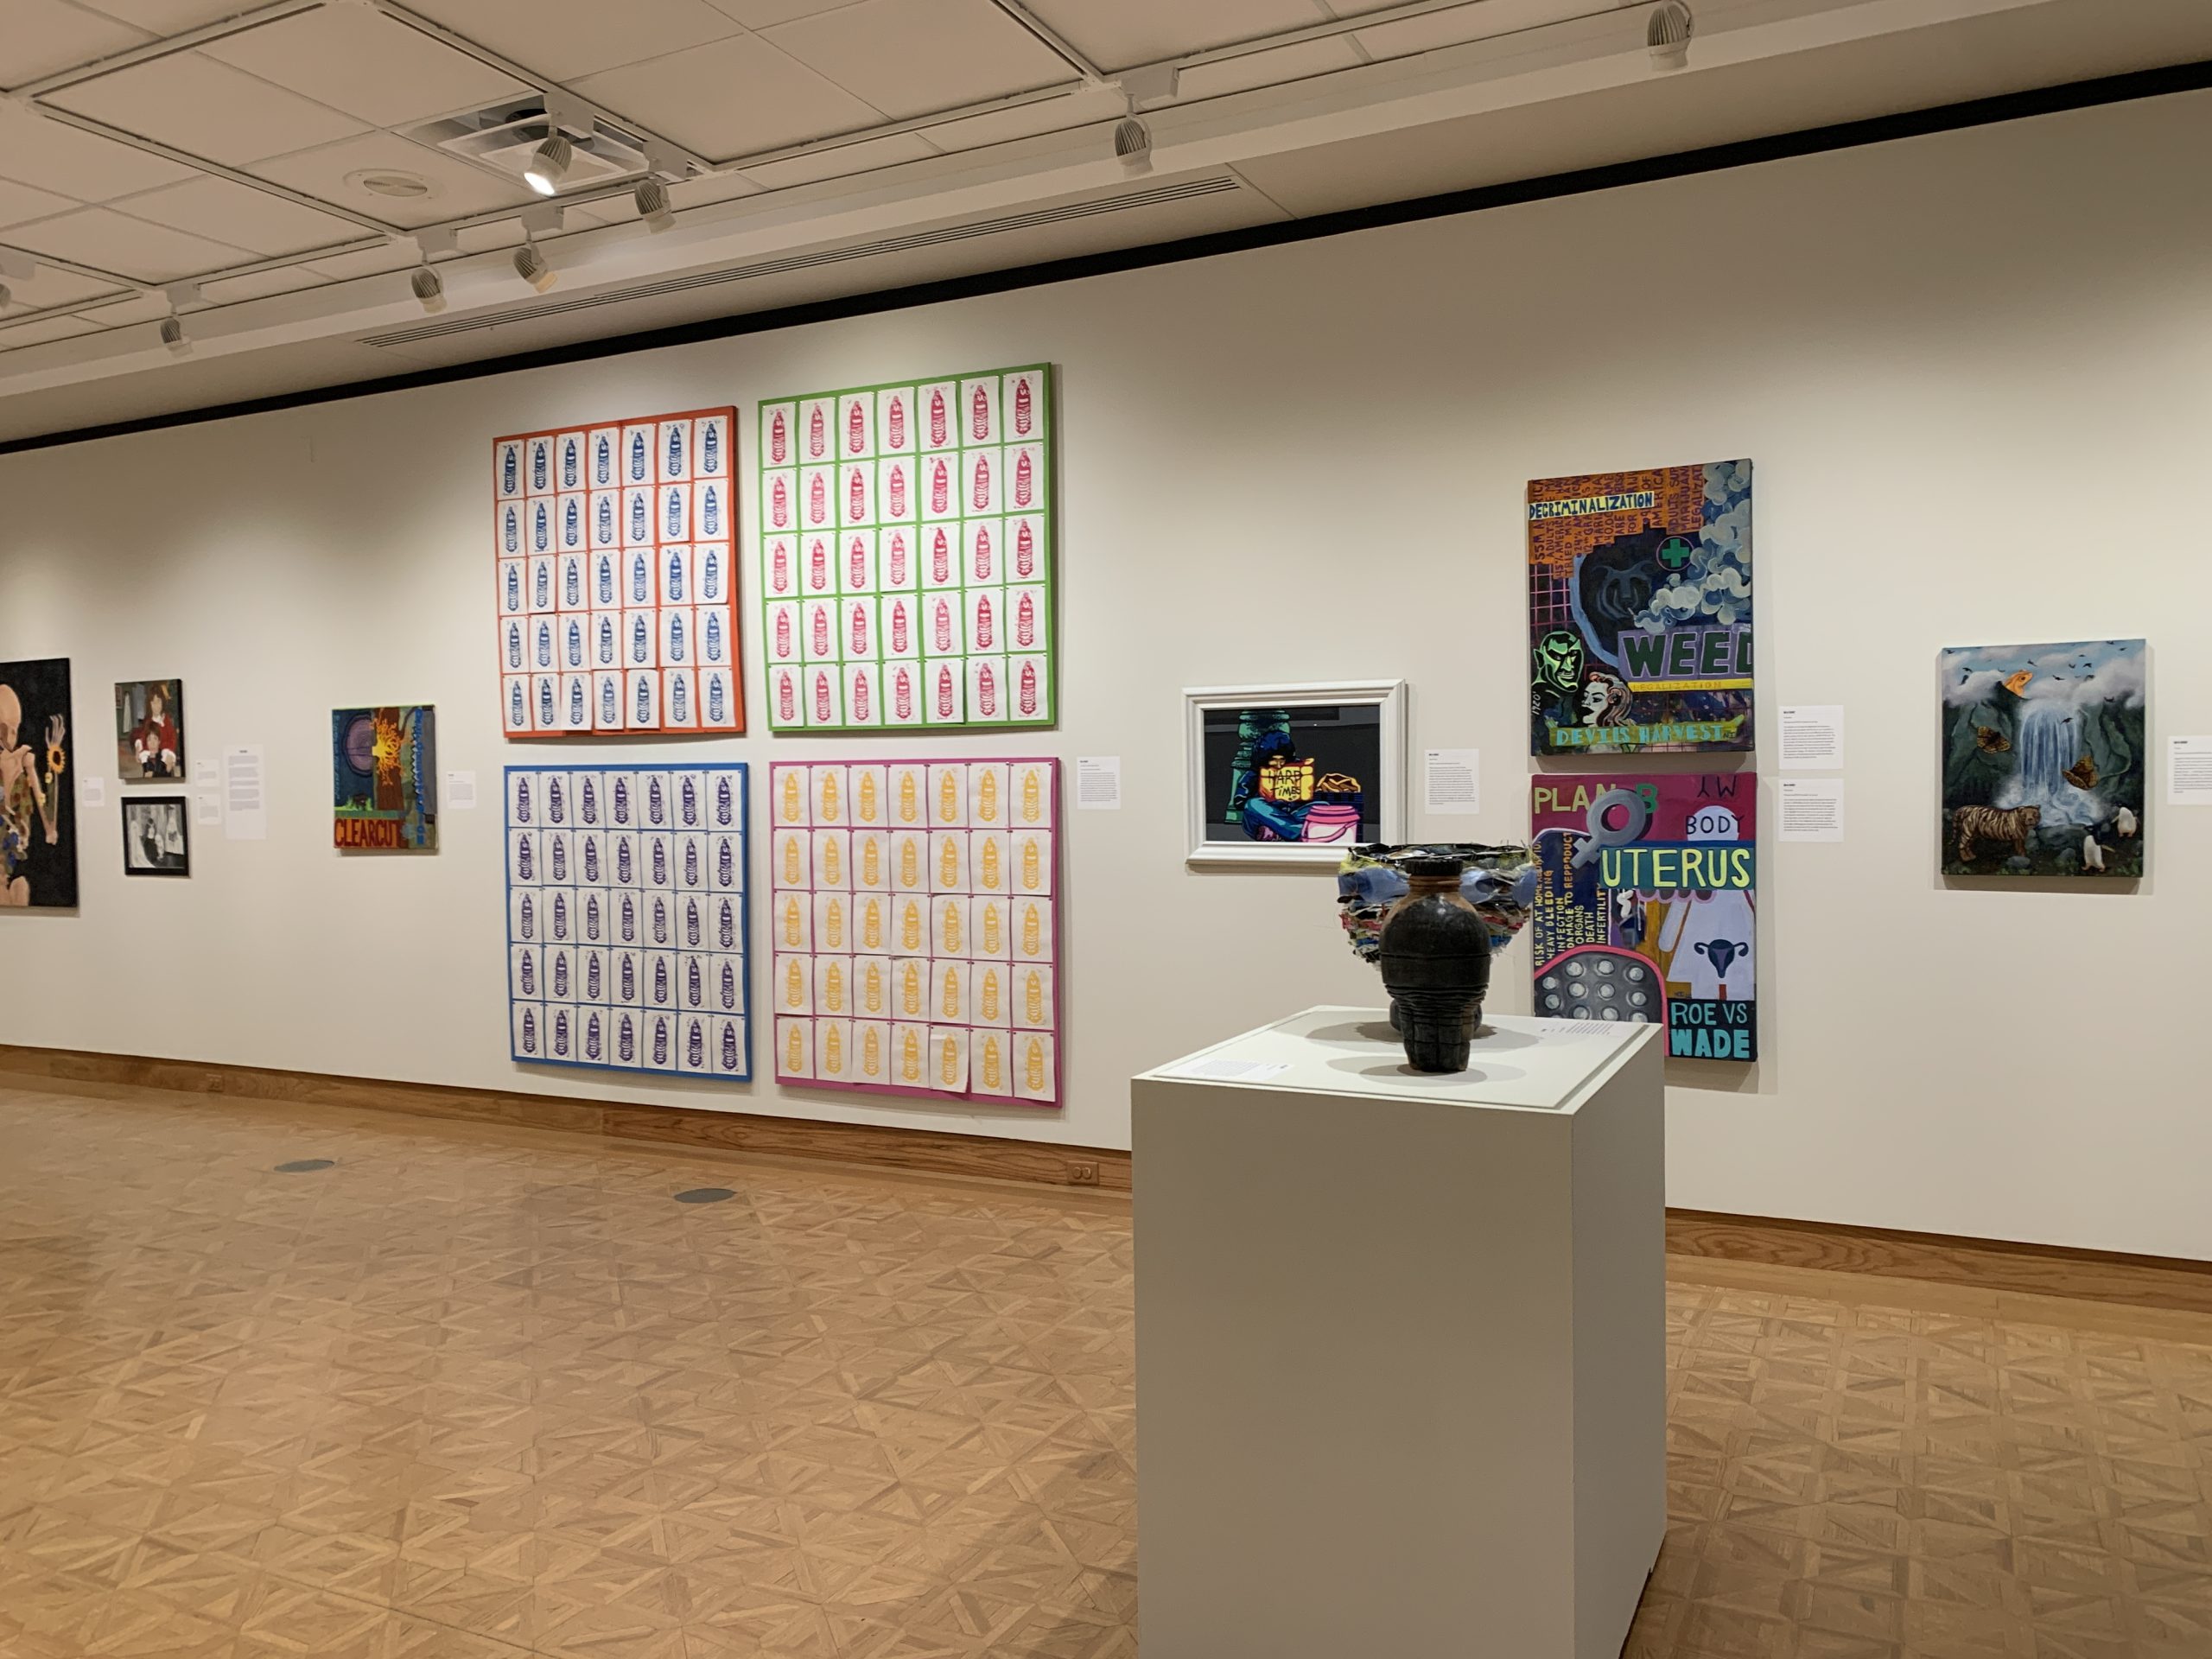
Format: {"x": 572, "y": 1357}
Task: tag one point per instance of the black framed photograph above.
{"x": 157, "y": 835}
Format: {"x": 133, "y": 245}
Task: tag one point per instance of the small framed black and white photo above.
{"x": 157, "y": 834}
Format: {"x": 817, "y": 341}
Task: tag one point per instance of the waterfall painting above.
{"x": 2044, "y": 758}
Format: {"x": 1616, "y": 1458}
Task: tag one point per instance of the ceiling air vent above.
{"x": 502, "y": 139}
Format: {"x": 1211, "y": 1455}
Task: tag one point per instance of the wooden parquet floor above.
{"x": 472, "y": 1393}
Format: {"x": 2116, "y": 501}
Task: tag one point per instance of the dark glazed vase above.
{"x": 1435, "y": 964}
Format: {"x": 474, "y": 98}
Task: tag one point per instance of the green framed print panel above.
{"x": 908, "y": 553}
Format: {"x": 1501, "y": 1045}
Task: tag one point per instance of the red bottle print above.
{"x": 944, "y": 694}
{"x": 1025, "y": 479}
{"x": 780, "y": 504}
{"x": 983, "y": 622}
{"x": 860, "y": 696}
{"x": 979, "y": 417}
{"x": 943, "y": 630}
{"x": 897, "y": 576}
{"x": 1025, "y": 621}
{"x": 779, "y": 440}
{"x": 783, "y": 635}
{"x": 856, "y": 565}
{"x": 823, "y": 703}
{"x": 855, "y": 430}
{"x": 816, "y": 438}
{"x": 1023, "y": 410}
{"x": 817, "y": 565}
{"x": 899, "y": 625}
{"x": 940, "y": 488}
{"x": 786, "y": 703}
{"x": 902, "y": 695}
{"x": 856, "y": 498}
{"x": 860, "y": 631}
{"x": 987, "y": 689}
{"x": 821, "y": 631}
{"x": 1028, "y": 692}
{"x": 1024, "y": 551}
{"x": 894, "y": 421}
{"x": 982, "y": 493}
{"x": 779, "y": 569}
{"x": 940, "y": 558}
{"x": 939, "y": 434}
{"x": 898, "y": 491}
{"x": 982, "y": 552}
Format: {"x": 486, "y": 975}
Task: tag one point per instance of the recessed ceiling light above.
{"x": 550, "y": 164}
{"x": 390, "y": 182}
{"x": 653, "y": 206}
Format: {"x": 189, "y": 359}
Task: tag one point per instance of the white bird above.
{"x": 2092, "y": 856}
{"x": 2124, "y": 825}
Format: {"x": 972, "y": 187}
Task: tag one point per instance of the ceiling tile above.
{"x": 911, "y": 57}
{"x": 563, "y": 39}
{"x": 1436, "y": 30}
{"x": 241, "y": 215}
{"x": 139, "y": 308}
{"x": 370, "y": 261}
{"x": 766, "y": 13}
{"x": 1074, "y": 108}
{"x": 47, "y": 287}
{"x": 260, "y": 285}
{"x": 44, "y": 36}
{"x": 457, "y": 189}
{"x": 105, "y": 240}
{"x": 717, "y": 186}
{"x": 205, "y": 108}
{"x": 56, "y": 157}
{"x": 46, "y": 328}
{"x": 734, "y": 98}
{"x": 366, "y": 64}
{"x": 863, "y": 158}
{"x": 1320, "y": 57}
{"x": 166, "y": 17}
{"x": 20, "y": 201}
{"x": 1130, "y": 32}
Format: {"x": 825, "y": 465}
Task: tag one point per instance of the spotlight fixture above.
{"x": 531, "y": 265}
{"x": 174, "y": 337}
{"x": 13, "y": 268}
{"x": 1666, "y": 32}
{"x": 429, "y": 287}
{"x": 7, "y": 296}
{"x": 549, "y": 163}
{"x": 652, "y": 197}
{"x": 1133, "y": 145}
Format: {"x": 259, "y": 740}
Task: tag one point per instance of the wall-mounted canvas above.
{"x": 1640, "y": 611}
{"x": 914, "y": 911}
{"x": 2045, "y": 759}
{"x": 149, "y": 730}
{"x": 157, "y": 834}
{"x": 383, "y": 770}
{"x": 627, "y": 938}
{"x": 1647, "y": 902}
{"x": 907, "y": 554}
{"x": 38, "y": 807}
{"x": 1294, "y": 774}
{"x": 614, "y": 561}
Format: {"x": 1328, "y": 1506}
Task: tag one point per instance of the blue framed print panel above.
{"x": 626, "y": 934}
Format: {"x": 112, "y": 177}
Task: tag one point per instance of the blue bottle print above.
{"x": 710, "y": 577}
{"x": 602, "y": 462}
{"x": 724, "y": 802}
{"x": 637, "y": 458}
{"x": 511, "y": 531}
{"x": 514, "y": 589}
{"x": 524, "y": 873}
{"x": 507, "y": 471}
{"x": 529, "y": 1031}
{"x": 514, "y": 650}
{"x": 607, "y": 642}
{"x": 591, "y": 900}
{"x": 695, "y": 1052}
{"x": 727, "y": 929}
{"x": 641, "y": 643}
{"x": 713, "y": 637}
{"x": 644, "y": 703}
{"x": 541, "y": 529}
{"x": 561, "y": 1033}
{"x": 560, "y": 976}
{"x": 676, "y": 638}
{"x": 715, "y": 698}
{"x": 603, "y": 521}
{"x": 522, "y": 799}
{"x": 622, "y": 800}
{"x": 692, "y": 929}
{"x": 526, "y": 972}
{"x": 674, "y": 451}
{"x": 518, "y": 709}
{"x": 710, "y": 449}
{"x": 572, "y": 584}
{"x": 526, "y": 912}
{"x": 641, "y": 580}
{"x": 604, "y": 587}
{"x": 542, "y": 588}
{"x": 545, "y": 703}
{"x": 660, "y": 868}
{"x": 679, "y": 703}
{"x": 556, "y": 851}
{"x": 675, "y": 575}
{"x": 672, "y": 516}
{"x": 572, "y": 526}
{"x": 725, "y": 865}
{"x": 694, "y": 992}
{"x": 660, "y": 1042}
{"x": 660, "y": 984}
{"x": 575, "y": 644}
{"x": 638, "y": 518}
{"x": 687, "y": 802}
{"x": 610, "y": 706}
{"x": 656, "y": 804}
{"x": 577, "y": 714}
{"x": 538, "y": 458}
{"x": 626, "y": 1039}
{"x": 560, "y": 900}
{"x": 629, "y": 984}
{"x": 544, "y": 645}
{"x": 587, "y": 803}
{"x": 690, "y": 864}
{"x": 629, "y": 910}
{"x": 591, "y": 979}
{"x": 569, "y": 460}
{"x": 623, "y": 866}
{"x": 557, "y": 803}
{"x": 729, "y": 1048}
{"x": 591, "y": 1036}
{"x": 710, "y": 512}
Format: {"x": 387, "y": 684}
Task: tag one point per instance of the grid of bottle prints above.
{"x": 913, "y": 915}
{"x": 615, "y": 556}
{"x": 626, "y": 939}
{"x": 906, "y": 553}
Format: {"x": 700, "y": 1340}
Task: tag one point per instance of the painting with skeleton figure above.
{"x": 2044, "y": 758}
{"x": 1646, "y": 907}
{"x": 1640, "y": 611}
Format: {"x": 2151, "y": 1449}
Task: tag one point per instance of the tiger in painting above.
{"x": 2001, "y": 827}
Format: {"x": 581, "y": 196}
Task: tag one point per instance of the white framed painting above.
{"x": 1294, "y": 774}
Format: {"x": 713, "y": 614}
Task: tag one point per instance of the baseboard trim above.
{"x": 933, "y": 1151}
{"x": 1981, "y": 1263}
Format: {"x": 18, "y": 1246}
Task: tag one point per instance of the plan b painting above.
{"x": 2044, "y": 760}
{"x": 38, "y": 811}
{"x": 1646, "y": 909}
{"x": 1640, "y": 611}
{"x": 384, "y": 765}
{"x": 906, "y": 553}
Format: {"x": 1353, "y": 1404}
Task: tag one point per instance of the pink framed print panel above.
{"x": 614, "y": 556}
{"x": 913, "y": 924}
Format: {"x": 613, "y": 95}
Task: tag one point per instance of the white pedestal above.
{"x": 1401, "y": 1343}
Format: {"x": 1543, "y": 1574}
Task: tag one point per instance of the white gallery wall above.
{"x": 1974, "y": 371}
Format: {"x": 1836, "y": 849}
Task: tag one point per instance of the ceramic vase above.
{"x": 1435, "y": 961}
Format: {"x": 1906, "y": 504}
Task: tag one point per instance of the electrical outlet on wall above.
{"x": 1083, "y": 1174}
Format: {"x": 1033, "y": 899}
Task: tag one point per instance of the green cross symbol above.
{"x": 1675, "y": 552}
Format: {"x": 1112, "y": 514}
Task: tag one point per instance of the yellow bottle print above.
{"x": 833, "y": 1051}
{"x": 991, "y": 1070}
{"x": 910, "y": 866}
{"x": 987, "y": 798}
{"x": 989, "y": 877}
{"x": 829, "y": 797}
{"x": 910, "y": 932}
{"x": 795, "y": 1049}
{"x": 951, "y": 928}
{"x": 1032, "y": 999}
{"x": 988, "y": 996}
{"x": 1032, "y": 929}
{"x": 871, "y": 1052}
{"x": 871, "y": 862}
{"x": 794, "y": 924}
{"x": 866, "y": 796}
{"x": 992, "y": 930}
{"x": 872, "y": 988}
{"x": 948, "y": 799}
{"x": 949, "y": 1004}
{"x": 1034, "y": 1066}
{"x": 948, "y": 1069}
{"x": 794, "y": 864}
{"x": 909, "y": 990}
{"x": 947, "y": 864}
{"x": 833, "y": 925}
{"x": 1031, "y": 867}
{"x": 833, "y": 988}
{"x": 910, "y": 1059}
{"x": 794, "y": 986}
{"x": 908, "y": 806}
{"x": 830, "y": 878}
{"x": 794, "y": 798}
{"x": 872, "y": 924}
{"x": 1032, "y": 799}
